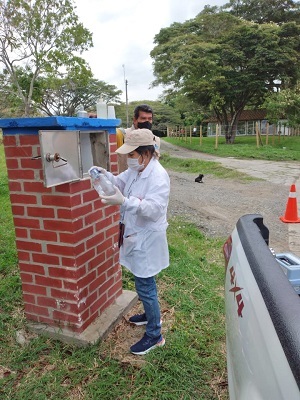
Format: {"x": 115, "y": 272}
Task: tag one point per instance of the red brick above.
{"x": 48, "y": 282}
{"x": 68, "y": 262}
{"x": 83, "y": 234}
{"x": 26, "y": 223}
{"x": 80, "y": 211}
{"x": 40, "y": 212}
{"x": 95, "y": 240}
{"x": 21, "y": 174}
{"x": 35, "y": 187}
{"x": 87, "y": 322}
{"x": 18, "y": 210}
{"x": 18, "y": 152}
{"x": 97, "y": 215}
{"x": 96, "y": 261}
{"x": 80, "y": 186}
{"x": 103, "y": 246}
{"x": 67, "y": 238}
{"x": 26, "y": 278}
{"x": 28, "y": 298}
{"x": 32, "y": 268}
{"x": 61, "y": 316}
{"x": 59, "y": 201}
{"x": 26, "y": 140}
{"x": 46, "y": 259}
{"x": 34, "y": 289}
{"x": 76, "y": 200}
{"x": 96, "y": 283}
{"x": 92, "y": 297}
{"x": 100, "y": 225}
{"x": 62, "y": 273}
{"x": 63, "y": 295}
{"x": 87, "y": 280}
{"x": 68, "y": 285}
{"x": 46, "y": 302}
{"x": 33, "y": 309}
{"x": 58, "y": 225}
{"x": 112, "y": 231}
{"x": 96, "y": 307}
{"x": 23, "y": 256}
{"x": 89, "y": 196}
{"x": 113, "y": 270}
{"x": 21, "y": 233}
{"x": 47, "y": 236}
{"x": 60, "y": 250}
{"x": 79, "y": 249}
{"x": 15, "y": 186}
{"x": 107, "y": 304}
{"x": 64, "y": 213}
{"x": 65, "y": 188}
{"x": 106, "y": 285}
{"x": 86, "y": 256}
{"x": 40, "y": 319}
{"x": 22, "y": 199}
{"x": 9, "y": 140}
{"x": 115, "y": 290}
{"x": 12, "y": 163}
{"x": 29, "y": 246}
{"x": 28, "y": 163}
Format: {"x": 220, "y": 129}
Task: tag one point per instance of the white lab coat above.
{"x": 145, "y": 249}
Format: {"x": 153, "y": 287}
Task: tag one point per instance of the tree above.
{"x": 284, "y": 105}
{"x": 64, "y": 96}
{"x": 264, "y": 11}
{"x": 224, "y": 63}
{"x": 39, "y": 38}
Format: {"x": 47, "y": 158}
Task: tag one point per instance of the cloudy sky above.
{"x": 123, "y": 33}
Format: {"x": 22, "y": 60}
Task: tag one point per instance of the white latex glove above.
{"x": 116, "y": 199}
{"x": 100, "y": 169}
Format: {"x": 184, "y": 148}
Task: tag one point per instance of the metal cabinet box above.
{"x": 68, "y": 155}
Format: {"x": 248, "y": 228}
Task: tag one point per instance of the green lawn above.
{"x": 284, "y": 148}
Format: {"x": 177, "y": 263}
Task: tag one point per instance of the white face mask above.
{"x": 133, "y": 163}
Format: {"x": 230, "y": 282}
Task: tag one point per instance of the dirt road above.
{"x": 216, "y": 204}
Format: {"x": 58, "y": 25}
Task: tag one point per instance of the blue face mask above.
{"x": 133, "y": 163}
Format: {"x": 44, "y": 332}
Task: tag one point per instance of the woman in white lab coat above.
{"x": 143, "y": 191}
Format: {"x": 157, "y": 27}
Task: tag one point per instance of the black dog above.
{"x": 199, "y": 178}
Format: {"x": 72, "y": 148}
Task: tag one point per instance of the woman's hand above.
{"x": 116, "y": 199}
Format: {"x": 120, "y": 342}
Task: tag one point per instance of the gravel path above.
{"x": 216, "y": 204}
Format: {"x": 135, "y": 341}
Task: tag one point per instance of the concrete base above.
{"x": 98, "y": 330}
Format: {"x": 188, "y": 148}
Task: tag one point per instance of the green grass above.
{"x": 285, "y": 148}
{"x": 192, "y": 365}
{"x": 192, "y": 165}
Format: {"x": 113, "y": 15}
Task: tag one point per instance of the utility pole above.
{"x": 126, "y": 94}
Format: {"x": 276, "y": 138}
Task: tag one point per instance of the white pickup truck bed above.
{"x": 262, "y": 318}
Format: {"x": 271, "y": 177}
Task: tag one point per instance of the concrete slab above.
{"x": 98, "y": 330}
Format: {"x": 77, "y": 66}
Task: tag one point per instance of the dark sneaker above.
{"x": 146, "y": 344}
{"x": 138, "y": 319}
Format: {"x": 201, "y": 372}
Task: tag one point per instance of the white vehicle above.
{"x": 262, "y": 317}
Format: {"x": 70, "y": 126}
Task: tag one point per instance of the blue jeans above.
{"x": 147, "y": 292}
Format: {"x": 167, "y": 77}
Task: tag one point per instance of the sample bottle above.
{"x": 101, "y": 109}
{"x": 101, "y": 183}
{"x": 81, "y": 113}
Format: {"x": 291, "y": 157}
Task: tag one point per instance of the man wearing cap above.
{"x": 142, "y": 118}
{"x": 143, "y": 191}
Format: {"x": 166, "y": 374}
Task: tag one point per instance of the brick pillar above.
{"x": 66, "y": 241}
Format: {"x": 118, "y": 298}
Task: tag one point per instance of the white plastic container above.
{"x": 101, "y": 107}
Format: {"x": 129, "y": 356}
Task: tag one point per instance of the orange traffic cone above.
{"x": 291, "y": 212}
